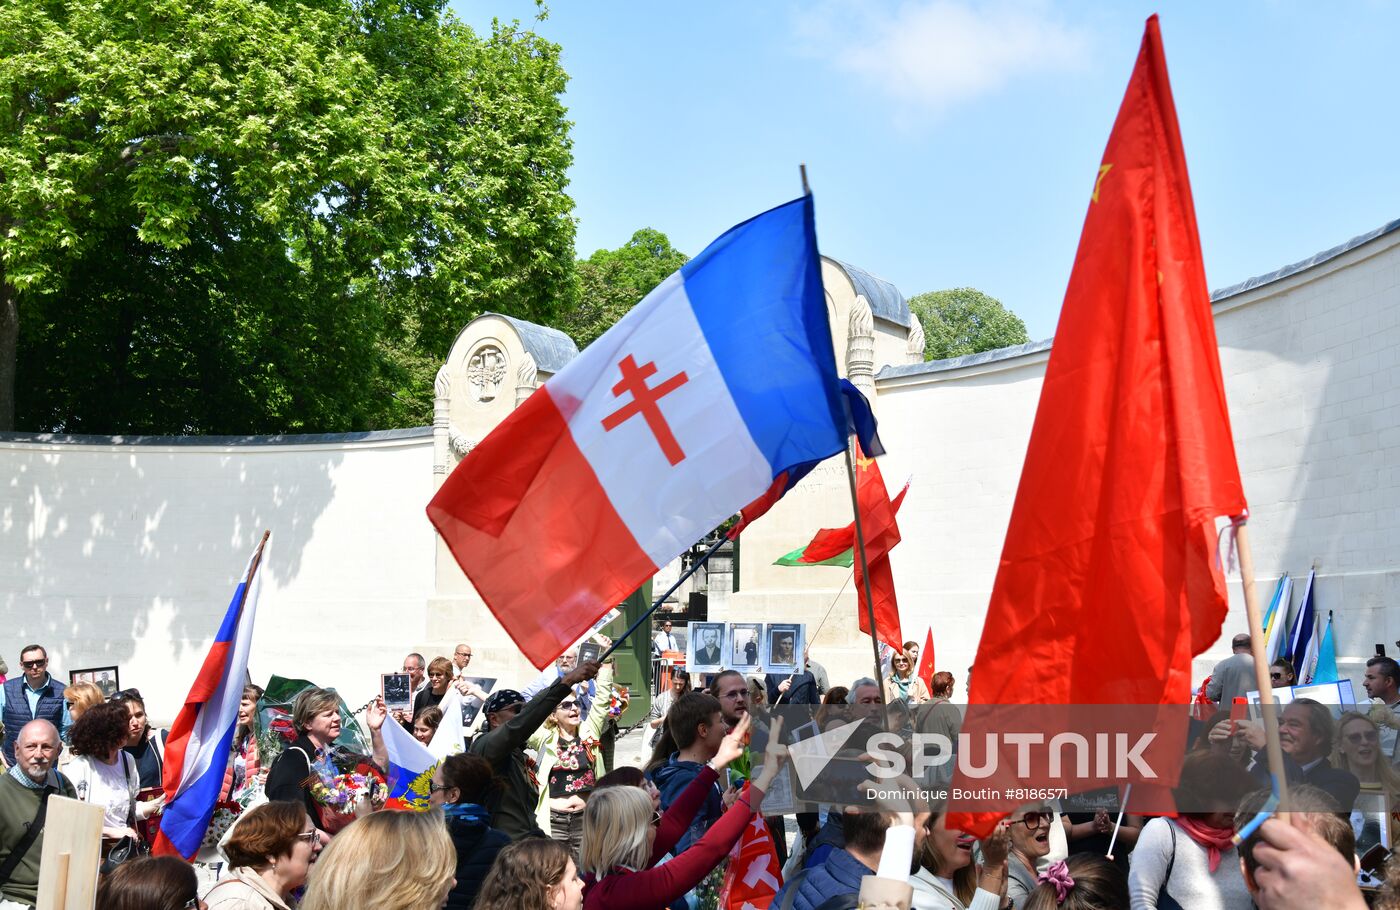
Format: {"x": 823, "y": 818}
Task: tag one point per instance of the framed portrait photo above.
{"x": 397, "y": 689}
{"x": 705, "y": 647}
{"x": 106, "y": 679}
{"x": 744, "y": 646}
{"x": 471, "y": 706}
{"x": 782, "y": 647}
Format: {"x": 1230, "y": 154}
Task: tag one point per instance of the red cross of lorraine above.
{"x": 645, "y": 402}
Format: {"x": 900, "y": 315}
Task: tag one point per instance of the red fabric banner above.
{"x": 1107, "y": 585}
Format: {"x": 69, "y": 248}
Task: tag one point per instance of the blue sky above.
{"x": 955, "y": 143}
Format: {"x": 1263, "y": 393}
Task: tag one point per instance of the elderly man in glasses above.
{"x": 34, "y": 696}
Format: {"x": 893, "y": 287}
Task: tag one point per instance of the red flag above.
{"x": 925, "y": 671}
{"x": 754, "y": 876}
{"x": 1107, "y": 586}
{"x": 877, "y": 515}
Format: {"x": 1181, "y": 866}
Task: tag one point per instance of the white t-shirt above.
{"x": 108, "y": 786}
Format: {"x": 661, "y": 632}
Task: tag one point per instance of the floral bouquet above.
{"x": 225, "y": 814}
{"x": 342, "y": 796}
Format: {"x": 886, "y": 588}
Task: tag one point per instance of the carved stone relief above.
{"x": 486, "y": 369}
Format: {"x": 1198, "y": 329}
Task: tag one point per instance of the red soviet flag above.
{"x": 926, "y": 666}
{"x": 881, "y": 531}
{"x": 1107, "y": 585}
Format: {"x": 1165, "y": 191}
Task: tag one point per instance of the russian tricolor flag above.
{"x": 698, "y": 402}
{"x": 197, "y": 750}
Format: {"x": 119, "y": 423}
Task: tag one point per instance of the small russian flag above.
{"x": 197, "y": 750}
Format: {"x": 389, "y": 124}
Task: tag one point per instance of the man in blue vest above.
{"x": 34, "y": 696}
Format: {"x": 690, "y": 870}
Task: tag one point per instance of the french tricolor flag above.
{"x": 698, "y": 402}
{"x": 197, "y": 750}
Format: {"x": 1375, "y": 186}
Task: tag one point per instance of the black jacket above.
{"x": 477, "y": 846}
{"x": 284, "y": 779}
{"x": 1338, "y": 783}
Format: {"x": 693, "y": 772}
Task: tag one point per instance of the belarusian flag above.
{"x": 835, "y": 547}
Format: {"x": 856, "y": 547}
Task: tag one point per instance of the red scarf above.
{"x": 1215, "y": 840}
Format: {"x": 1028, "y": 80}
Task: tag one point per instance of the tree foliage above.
{"x": 232, "y": 216}
{"x": 964, "y": 321}
{"x": 611, "y": 282}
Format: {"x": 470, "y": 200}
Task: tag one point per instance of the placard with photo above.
{"x": 744, "y": 646}
{"x": 107, "y": 679}
{"x": 705, "y": 647}
{"x": 471, "y": 706}
{"x": 782, "y": 647}
{"x": 589, "y": 650}
{"x": 397, "y": 689}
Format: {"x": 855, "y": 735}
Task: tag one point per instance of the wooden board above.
{"x": 71, "y": 856}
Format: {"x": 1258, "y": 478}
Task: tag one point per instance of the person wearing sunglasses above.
{"x": 1030, "y": 840}
{"x": 270, "y": 852}
{"x": 1358, "y": 750}
{"x": 1281, "y": 673}
{"x": 902, "y": 684}
{"x": 570, "y": 758}
{"x": 35, "y": 695}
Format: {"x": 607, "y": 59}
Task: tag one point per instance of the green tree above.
{"x": 611, "y": 282}
{"x": 964, "y": 321}
{"x": 259, "y": 215}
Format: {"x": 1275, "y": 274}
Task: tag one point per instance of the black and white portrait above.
{"x": 706, "y": 641}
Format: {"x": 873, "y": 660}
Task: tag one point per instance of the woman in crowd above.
{"x": 621, "y": 847}
{"x": 316, "y": 719}
{"x": 144, "y": 744}
{"x": 1358, "y": 750}
{"x": 1281, "y": 673}
{"x": 949, "y": 879}
{"x": 1191, "y": 858}
{"x": 270, "y": 853}
{"x": 80, "y": 697}
{"x": 439, "y": 678}
{"x": 426, "y": 723}
{"x": 532, "y": 875}
{"x": 758, "y": 692}
{"x": 661, "y": 705}
{"x": 105, "y": 775}
{"x": 1030, "y": 840}
{"x": 244, "y": 773}
{"x": 628, "y": 776}
{"x": 1235, "y": 748}
{"x": 150, "y": 883}
{"x": 902, "y": 684}
{"x": 1085, "y": 881}
{"x": 460, "y": 787}
{"x": 387, "y": 861}
{"x": 570, "y": 762}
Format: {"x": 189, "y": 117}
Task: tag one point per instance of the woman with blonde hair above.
{"x": 902, "y": 684}
{"x": 80, "y": 697}
{"x": 388, "y": 861}
{"x": 270, "y": 853}
{"x": 570, "y": 762}
{"x": 535, "y": 874}
{"x": 439, "y": 678}
{"x": 621, "y": 847}
{"x": 1358, "y": 750}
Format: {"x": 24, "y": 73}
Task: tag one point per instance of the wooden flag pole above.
{"x": 1258, "y": 646}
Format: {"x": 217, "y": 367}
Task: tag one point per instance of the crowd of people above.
{"x": 533, "y": 814}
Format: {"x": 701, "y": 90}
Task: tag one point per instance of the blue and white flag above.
{"x": 1326, "y": 671}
